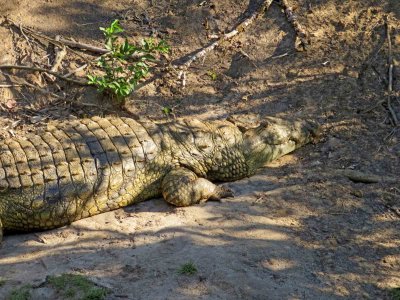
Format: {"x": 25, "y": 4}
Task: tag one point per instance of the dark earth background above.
{"x": 299, "y": 229}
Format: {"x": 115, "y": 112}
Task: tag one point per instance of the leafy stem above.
{"x": 126, "y": 64}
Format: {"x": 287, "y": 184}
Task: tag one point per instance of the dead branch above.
{"x": 36, "y": 69}
{"x": 76, "y": 70}
{"x": 40, "y": 36}
{"x": 9, "y": 85}
{"x": 23, "y": 33}
{"x": 373, "y": 106}
{"x": 33, "y": 33}
{"x": 390, "y": 74}
{"x": 60, "y": 42}
{"x": 83, "y": 46}
{"x": 23, "y": 82}
{"x": 358, "y": 176}
{"x": 302, "y": 36}
{"x": 227, "y": 36}
{"x": 60, "y": 55}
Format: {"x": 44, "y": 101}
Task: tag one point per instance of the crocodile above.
{"x": 71, "y": 170}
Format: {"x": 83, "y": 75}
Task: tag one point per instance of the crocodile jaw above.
{"x": 275, "y": 137}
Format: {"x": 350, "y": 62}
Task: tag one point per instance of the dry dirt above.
{"x": 296, "y": 230}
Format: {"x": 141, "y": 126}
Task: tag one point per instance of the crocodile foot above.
{"x": 182, "y": 187}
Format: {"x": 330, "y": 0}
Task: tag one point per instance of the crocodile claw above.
{"x": 221, "y": 192}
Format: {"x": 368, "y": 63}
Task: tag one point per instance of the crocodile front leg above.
{"x": 182, "y": 187}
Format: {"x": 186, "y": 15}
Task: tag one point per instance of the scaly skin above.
{"x": 76, "y": 169}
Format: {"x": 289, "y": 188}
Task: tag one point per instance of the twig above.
{"x": 20, "y": 67}
{"x": 381, "y": 79}
{"x": 22, "y": 82}
{"x": 61, "y": 42}
{"x": 227, "y": 36}
{"x": 23, "y": 33}
{"x": 373, "y": 106}
{"x": 41, "y": 36}
{"x": 302, "y": 37}
{"x": 390, "y": 73}
{"x": 248, "y": 57}
{"x": 60, "y": 54}
{"x": 9, "y": 85}
{"x": 33, "y": 33}
{"x": 183, "y": 79}
{"x": 83, "y": 46}
{"x": 76, "y": 70}
{"x": 280, "y": 56}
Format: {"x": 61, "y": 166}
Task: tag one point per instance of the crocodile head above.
{"x": 273, "y": 137}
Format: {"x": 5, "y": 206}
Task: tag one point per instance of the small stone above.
{"x": 332, "y": 144}
{"x": 357, "y": 193}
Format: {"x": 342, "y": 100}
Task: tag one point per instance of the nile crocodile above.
{"x": 75, "y": 169}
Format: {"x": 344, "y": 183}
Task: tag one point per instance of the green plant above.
{"x": 167, "y": 111}
{"x": 2, "y": 281}
{"x": 125, "y": 64}
{"x": 70, "y": 285}
{"x": 188, "y": 269}
{"x": 395, "y": 293}
{"x": 212, "y": 75}
{"x": 21, "y": 293}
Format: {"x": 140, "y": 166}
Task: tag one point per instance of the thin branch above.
{"x": 36, "y": 69}
{"x": 60, "y": 55}
{"x": 227, "y": 36}
{"x": 23, "y": 33}
{"x": 76, "y": 70}
{"x": 59, "y": 41}
{"x": 83, "y": 46}
{"x": 9, "y": 85}
{"x": 390, "y": 74}
{"x": 40, "y": 36}
{"x": 302, "y": 37}
{"x": 22, "y": 82}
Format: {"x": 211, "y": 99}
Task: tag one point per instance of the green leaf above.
{"x": 212, "y": 75}
{"x": 121, "y": 73}
{"x": 109, "y": 44}
{"x": 166, "y": 110}
{"x": 115, "y": 27}
{"x": 148, "y": 57}
{"x": 92, "y": 79}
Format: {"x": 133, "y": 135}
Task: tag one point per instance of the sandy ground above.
{"x": 296, "y": 230}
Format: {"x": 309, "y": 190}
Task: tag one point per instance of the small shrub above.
{"x": 2, "y": 281}
{"x": 126, "y": 64}
{"x": 70, "y": 285}
{"x": 21, "y": 293}
{"x": 167, "y": 111}
{"x": 188, "y": 269}
{"x": 395, "y": 293}
{"x": 212, "y": 75}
